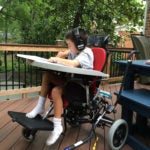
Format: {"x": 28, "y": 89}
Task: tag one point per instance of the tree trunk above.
{"x": 79, "y": 13}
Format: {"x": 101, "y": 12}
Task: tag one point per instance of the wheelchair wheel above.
{"x": 117, "y": 134}
{"x": 29, "y": 135}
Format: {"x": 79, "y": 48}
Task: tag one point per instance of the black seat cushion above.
{"x": 75, "y": 91}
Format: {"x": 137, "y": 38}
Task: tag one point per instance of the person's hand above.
{"x": 148, "y": 62}
{"x": 53, "y": 59}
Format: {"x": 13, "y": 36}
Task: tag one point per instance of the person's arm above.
{"x": 63, "y": 54}
{"x": 67, "y": 62}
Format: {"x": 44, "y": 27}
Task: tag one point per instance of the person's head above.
{"x": 76, "y": 39}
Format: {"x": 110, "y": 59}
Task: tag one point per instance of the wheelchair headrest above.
{"x": 98, "y": 40}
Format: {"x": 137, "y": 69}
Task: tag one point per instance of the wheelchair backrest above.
{"x": 100, "y": 57}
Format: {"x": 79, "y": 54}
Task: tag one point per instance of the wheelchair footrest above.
{"x": 36, "y": 123}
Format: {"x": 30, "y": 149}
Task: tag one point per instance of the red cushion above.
{"x": 65, "y": 102}
{"x": 99, "y": 58}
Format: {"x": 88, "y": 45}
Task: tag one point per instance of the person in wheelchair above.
{"x": 79, "y": 55}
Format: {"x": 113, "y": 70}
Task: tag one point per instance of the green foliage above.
{"x": 44, "y": 21}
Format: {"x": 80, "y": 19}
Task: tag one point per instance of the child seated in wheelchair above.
{"x": 78, "y": 56}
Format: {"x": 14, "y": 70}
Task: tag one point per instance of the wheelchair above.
{"x": 84, "y": 103}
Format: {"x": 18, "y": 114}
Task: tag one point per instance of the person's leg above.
{"x": 58, "y": 109}
{"x": 48, "y": 78}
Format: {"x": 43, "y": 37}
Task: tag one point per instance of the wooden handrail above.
{"x": 46, "y": 48}
{"x": 31, "y": 48}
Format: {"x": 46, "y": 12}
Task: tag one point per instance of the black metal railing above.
{"x": 16, "y": 73}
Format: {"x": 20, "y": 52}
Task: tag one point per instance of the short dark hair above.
{"x": 83, "y": 35}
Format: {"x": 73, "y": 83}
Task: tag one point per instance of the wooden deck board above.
{"x": 11, "y": 137}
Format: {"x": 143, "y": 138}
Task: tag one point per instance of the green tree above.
{"x": 44, "y": 21}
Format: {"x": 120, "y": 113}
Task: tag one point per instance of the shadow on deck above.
{"x": 11, "y": 136}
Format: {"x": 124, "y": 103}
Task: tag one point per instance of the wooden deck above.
{"x": 11, "y": 138}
